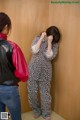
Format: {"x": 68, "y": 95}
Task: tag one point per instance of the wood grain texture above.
{"x": 66, "y": 78}
{"x": 29, "y": 18}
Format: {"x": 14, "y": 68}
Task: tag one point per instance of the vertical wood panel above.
{"x": 67, "y": 67}
{"x": 29, "y": 18}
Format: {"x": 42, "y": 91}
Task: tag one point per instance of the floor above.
{"x": 29, "y": 116}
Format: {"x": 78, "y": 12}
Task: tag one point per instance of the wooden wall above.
{"x": 29, "y": 18}
{"x": 67, "y": 66}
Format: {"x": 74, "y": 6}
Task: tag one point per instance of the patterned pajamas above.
{"x": 40, "y": 75}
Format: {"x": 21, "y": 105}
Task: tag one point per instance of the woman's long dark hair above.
{"x": 53, "y": 30}
{"x": 4, "y": 20}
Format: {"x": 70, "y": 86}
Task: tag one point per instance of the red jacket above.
{"x": 19, "y": 62}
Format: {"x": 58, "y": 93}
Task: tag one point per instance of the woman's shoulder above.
{"x": 37, "y": 37}
{"x": 56, "y": 44}
{"x": 13, "y": 44}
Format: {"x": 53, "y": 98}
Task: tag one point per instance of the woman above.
{"x": 44, "y": 49}
{"x": 13, "y": 68}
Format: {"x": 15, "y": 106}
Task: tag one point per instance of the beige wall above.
{"x": 29, "y": 18}
{"x": 67, "y": 66}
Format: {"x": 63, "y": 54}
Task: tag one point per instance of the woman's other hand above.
{"x": 50, "y": 39}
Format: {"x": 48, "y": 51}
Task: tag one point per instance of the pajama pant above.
{"x": 43, "y": 82}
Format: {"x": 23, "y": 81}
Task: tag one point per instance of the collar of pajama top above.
{"x": 44, "y": 39}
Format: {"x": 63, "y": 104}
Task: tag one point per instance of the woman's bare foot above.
{"x": 48, "y": 118}
{"x": 35, "y": 116}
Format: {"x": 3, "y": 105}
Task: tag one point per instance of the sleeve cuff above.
{"x": 34, "y": 49}
{"x": 49, "y": 55}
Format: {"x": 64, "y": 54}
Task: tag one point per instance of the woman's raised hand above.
{"x": 43, "y": 35}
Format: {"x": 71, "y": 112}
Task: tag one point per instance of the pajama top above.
{"x": 40, "y": 67}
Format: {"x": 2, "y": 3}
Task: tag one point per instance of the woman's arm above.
{"x": 35, "y": 47}
{"x": 49, "y": 49}
{"x": 19, "y": 62}
{"x": 51, "y": 53}
{"x": 52, "y": 50}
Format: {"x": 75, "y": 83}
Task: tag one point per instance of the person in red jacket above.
{"x": 13, "y": 69}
